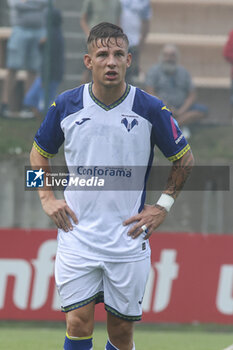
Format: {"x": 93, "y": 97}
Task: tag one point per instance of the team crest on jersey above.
{"x": 80, "y": 122}
{"x": 129, "y": 126}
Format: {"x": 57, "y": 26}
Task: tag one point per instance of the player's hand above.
{"x": 59, "y": 212}
{"x": 151, "y": 216}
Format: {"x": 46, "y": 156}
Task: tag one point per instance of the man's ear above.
{"x": 129, "y": 59}
{"x": 87, "y": 61}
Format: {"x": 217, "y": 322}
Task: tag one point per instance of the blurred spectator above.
{"x": 97, "y": 11}
{"x": 34, "y": 101}
{"x": 28, "y": 22}
{"x": 228, "y": 54}
{"x": 135, "y": 21}
{"x": 173, "y": 84}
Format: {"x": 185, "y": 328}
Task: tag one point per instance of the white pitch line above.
{"x": 229, "y": 347}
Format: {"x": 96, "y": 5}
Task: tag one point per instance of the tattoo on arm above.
{"x": 180, "y": 171}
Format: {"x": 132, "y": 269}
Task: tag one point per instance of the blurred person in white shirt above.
{"x": 135, "y": 21}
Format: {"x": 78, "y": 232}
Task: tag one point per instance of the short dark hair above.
{"x": 105, "y": 32}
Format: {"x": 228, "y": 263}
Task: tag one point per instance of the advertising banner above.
{"x": 191, "y": 278}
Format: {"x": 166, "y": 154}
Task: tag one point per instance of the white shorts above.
{"x": 120, "y": 286}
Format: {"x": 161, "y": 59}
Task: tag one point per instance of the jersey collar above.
{"x": 112, "y": 105}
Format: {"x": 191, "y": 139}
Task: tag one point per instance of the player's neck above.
{"x": 108, "y": 95}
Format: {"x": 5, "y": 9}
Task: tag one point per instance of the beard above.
{"x": 169, "y": 67}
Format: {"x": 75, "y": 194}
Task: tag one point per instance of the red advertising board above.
{"x": 191, "y": 278}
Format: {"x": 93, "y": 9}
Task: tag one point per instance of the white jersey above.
{"x": 100, "y": 141}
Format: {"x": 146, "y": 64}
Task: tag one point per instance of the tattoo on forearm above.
{"x": 180, "y": 171}
{"x": 159, "y": 207}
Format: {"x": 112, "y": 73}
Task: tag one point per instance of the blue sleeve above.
{"x": 49, "y": 136}
{"x": 167, "y": 134}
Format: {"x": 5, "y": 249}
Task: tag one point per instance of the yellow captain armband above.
{"x": 180, "y": 154}
{"x": 42, "y": 152}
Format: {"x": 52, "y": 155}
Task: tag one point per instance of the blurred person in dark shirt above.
{"x": 34, "y": 101}
{"x": 97, "y": 11}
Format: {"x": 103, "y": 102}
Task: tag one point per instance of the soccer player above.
{"x": 103, "y": 250}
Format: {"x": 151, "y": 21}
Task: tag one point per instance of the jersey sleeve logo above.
{"x": 164, "y": 108}
{"x": 174, "y": 128}
{"x": 53, "y": 104}
{"x": 129, "y": 126}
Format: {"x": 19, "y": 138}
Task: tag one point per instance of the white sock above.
{"x": 110, "y": 346}
{"x": 133, "y": 348}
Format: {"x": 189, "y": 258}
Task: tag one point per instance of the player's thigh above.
{"x": 124, "y": 288}
{"x": 79, "y": 281}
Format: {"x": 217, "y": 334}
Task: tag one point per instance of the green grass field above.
{"x": 50, "y": 336}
